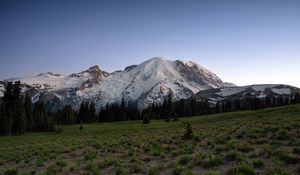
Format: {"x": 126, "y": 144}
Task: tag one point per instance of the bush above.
{"x": 234, "y": 156}
{"x": 58, "y": 129}
{"x": 257, "y": 163}
{"x": 146, "y": 119}
{"x": 81, "y": 126}
{"x": 11, "y": 172}
{"x": 92, "y": 168}
{"x": 175, "y": 117}
{"x": 53, "y": 169}
{"x": 282, "y": 134}
{"x": 188, "y": 132}
{"x": 287, "y": 157}
{"x": 211, "y": 161}
{"x": 211, "y": 173}
{"x": 39, "y": 162}
{"x": 241, "y": 169}
{"x": 121, "y": 171}
{"x": 177, "y": 170}
{"x": 296, "y": 150}
{"x": 2, "y": 162}
{"x": 61, "y": 163}
{"x": 184, "y": 160}
{"x": 244, "y": 147}
{"x": 278, "y": 171}
{"x": 153, "y": 171}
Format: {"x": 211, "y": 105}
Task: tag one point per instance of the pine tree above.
{"x": 67, "y": 115}
{"x": 175, "y": 116}
{"x": 146, "y": 119}
{"x": 81, "y": 126}
{"x": 28, "y": 112}
{"x": 188, "y": 134}
{"x": 8, "y": 108}
{"x": 86, "y": 112}
{"x": 296, "y": 98}
{"x": 2, "y": 120}
{"x": 19, "y": 120}
{"x": 122, "y": 110}
{"x": 101, "y": 115}
{"x": 42, "y": 122}
{"x": 81, "y": 112}
{"x": 92, "y": 112}
{"x": 168, "y": 108}
{"x": 268, "y": 101}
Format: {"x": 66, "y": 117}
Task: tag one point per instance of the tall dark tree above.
{"x": 28, "y": 112}
{"x": 2, "y": 120}
{"x": 82, "y": 113}
{"x": 296, "y": 98}
{"x": 12, "y": 118}
{"x": 92, "y": 112}
{"x": 123, "y": 110}
{"x": 8, "y": 109}
{"x": 268, "y": 101}
{"x": 68, "y": 116}
{"x": 146, "y": 118}
{"x": 168, "y": 108}
{"x": 42, "y": 122}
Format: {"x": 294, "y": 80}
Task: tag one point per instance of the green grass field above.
{"x": 250, "y": 142}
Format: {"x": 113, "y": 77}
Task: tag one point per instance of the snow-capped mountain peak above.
{"x": 145, "y": 83}
{"x": 150, "y": 81}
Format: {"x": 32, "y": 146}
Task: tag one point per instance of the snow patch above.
{"x": 262, "y": 95}
{"x": 230, "y": 91}
{"x": 281, "y": 91}
{"x": 2, "y": 90}
{"x": 262, "y": 87}
{"x": 227, "y": 84}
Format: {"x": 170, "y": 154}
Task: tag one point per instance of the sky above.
{"x": 242, "y": 41}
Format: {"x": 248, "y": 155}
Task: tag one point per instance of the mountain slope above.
{"x": 152, "y": 80}
{"x": 52, "y": 82}
{"x": 146, "y": 83}
{"x": 252, "y": 91}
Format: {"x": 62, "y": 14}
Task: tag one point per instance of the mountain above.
{"x": 146, "y": 83}
{"x": 253, "y": 91}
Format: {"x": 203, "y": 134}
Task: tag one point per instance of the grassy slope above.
{"x": 264, "y": 141}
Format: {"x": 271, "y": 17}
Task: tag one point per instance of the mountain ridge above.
{"x": 143, "y": 84}
{"x": 146, "y": 83}
{"x": 260, "y": 91}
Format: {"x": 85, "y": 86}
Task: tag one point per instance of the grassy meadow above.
{"x": 250, "y": 142}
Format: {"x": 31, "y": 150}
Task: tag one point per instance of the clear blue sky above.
{"x": 242, "y": 41}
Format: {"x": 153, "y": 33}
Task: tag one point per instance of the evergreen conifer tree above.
{"x": 2, "y": 120}
{"x": 19, "y": 121}
{"x": 146, "y": 118}
{"x": 28, "y": 112}
{"x": 188, "y": 134}
{"x": 92, "y": 112}
{"x": 81, "y": 112}
{"x": 8, "y": 109}
{"x": 296, "y": 98}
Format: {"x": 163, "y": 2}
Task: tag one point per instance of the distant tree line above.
{"x": 193, "y": 106}
{"x": 19, "y": 115}
{"x": 119, "y": 112}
